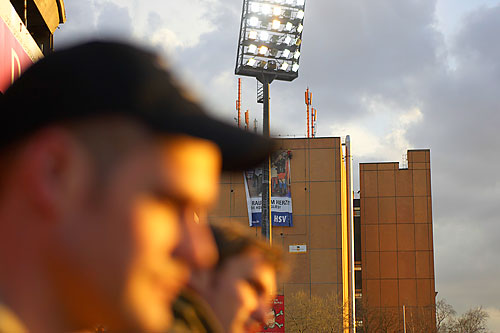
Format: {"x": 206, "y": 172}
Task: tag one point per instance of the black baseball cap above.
{"x": 114, "y": 78}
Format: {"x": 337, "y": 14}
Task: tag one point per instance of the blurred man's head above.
{"x": 107, "y": 171}
{"x": 242, "y": 285}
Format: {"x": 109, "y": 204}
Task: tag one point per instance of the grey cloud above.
{"x": 114, "y": 21}
{"x": 80, "y": 23}
{"x": 375, "y": 48}
{"x": 90, "y": 19}
{"x": 478, "y": 40}
{"x": 154, "y": 21}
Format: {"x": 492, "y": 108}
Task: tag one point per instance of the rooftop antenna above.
{"x": 238, "y": 103}
{"x": 308, "y": 103}
{"x": 314, "y": 118}
{"x": 247, "y": 120}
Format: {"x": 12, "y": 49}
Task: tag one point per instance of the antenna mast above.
{"x": 308, "y": 103}
{"x": 238, "y": 102}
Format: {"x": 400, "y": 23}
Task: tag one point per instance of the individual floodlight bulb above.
{"x": 253, "y": 21}
{"x": 300, "y": 2}
{"x": 252, "y": 34}
{"x": 295, "y": 67}
{"x": 263, "y": 49}
{"x": 276, "y": 24}
{"x": 252, "y": 48}
{"x": 266, "y": 9}
{"x": 296, "y": 55}
{"x": 300, "y": 28}
{"x": 277, "y": 11}
{"x": 284, "y": 66}
{"x": 286, "y": 53}
{"x": 288, "y": 26}
{"x": 288, "y": 39}
{"x": 264, "y": 35}
{"x": 251, "y": 62}
{"x": 300, "y": 14}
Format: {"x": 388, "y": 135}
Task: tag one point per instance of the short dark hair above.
{"x": 233, "y": 240}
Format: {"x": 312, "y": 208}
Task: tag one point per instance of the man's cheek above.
{"x": 156, "y": 226}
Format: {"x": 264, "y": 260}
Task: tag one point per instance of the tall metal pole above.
{"x": 238, "y": 102}
{"x": 404, "y": 319}
{"x": 307, "y": 103}
{"x": 266, "y": 181}
{"x": 350, "y": 234}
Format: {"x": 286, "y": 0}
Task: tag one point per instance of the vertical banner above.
{"x": 281, "y": 193}
{"x": 18, "y": 49}
{"x": 275, "y": 321}
{"x": 13, "y": 59}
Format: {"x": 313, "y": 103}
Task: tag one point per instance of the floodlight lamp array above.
{"x": 271, "y": 38}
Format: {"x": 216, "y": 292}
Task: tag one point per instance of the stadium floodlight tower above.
{"x": 269, "y": 49}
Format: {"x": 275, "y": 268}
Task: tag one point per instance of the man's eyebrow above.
{"x": 256, "y": 285}
{"x": 162, "y": 194}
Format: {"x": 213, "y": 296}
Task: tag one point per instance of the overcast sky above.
{"x": 393, "y": 74}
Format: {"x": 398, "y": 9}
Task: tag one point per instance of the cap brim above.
{"x": 240, "y": 149}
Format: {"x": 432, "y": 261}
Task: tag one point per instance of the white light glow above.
{"x": 276, "y": 24}
{"x": 266, "y": 9}
{"x": 295, "y": 67}
{"x": 253, "y": 21}
{"x": 286, "y": 53}
{"x": 264, "y": 35}
{"x": 300, "y": 2}
{"x": 263, "y": 49}
{"x": 300, "y": 28}
{"x": 252, "y": 35}
{"x": 251, "y": 62}
{"x": 300, "y": 14}
{"x": 284, "y": 66}
{"x": 289, "y": 2}
{"x": 252, "y": 48}
{"x": 255, "y": 7}
{"x": 277, "y": 11}
{"x": 288, "y": 39}
{"x": 296, "y": 55}
{"x": 288, "y": 26}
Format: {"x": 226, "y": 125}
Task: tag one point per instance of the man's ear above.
{"x": 53, "y": 169}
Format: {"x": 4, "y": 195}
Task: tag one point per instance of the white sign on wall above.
{"x": 299, "y": 248}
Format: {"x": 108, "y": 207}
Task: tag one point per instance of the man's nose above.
{"x": 261, "y": 313}
{"x": 196, "y": 246}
